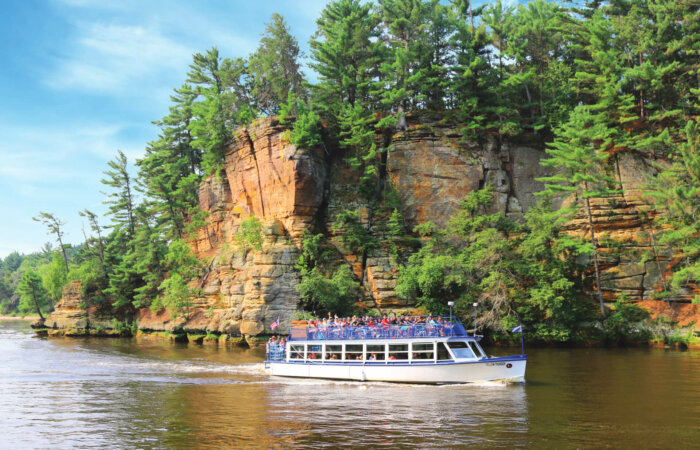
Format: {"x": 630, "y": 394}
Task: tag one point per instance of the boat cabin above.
{"x": 414, "y": 351}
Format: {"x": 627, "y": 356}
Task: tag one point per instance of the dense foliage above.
{"x": 586, "y": 82}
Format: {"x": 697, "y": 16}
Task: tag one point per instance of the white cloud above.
{"x": 35, "y": 154}
{"x": 109, "y": 58}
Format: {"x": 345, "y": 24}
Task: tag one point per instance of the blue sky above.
{"x": 80, "y": 79}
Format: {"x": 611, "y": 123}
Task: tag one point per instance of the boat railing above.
{"x": 426, "y": 328}
{"x": 274, "y": 352}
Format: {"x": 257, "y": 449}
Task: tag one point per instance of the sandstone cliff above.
{"x": 291, "y": 190}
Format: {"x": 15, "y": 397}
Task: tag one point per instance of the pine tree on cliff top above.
{"x": 538, "y": 43}
{"x": 274, "y": 68}
{"x": 405, "y": 24}
{"x": 477, "y": 95}
{"x": 345, "y": 54}
{"x": 224, "y": 88}
{"x": 580, "y": 172}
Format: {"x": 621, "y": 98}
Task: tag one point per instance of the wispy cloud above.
{"x": 109, "y": 58}
{"x": 30, "y": 155}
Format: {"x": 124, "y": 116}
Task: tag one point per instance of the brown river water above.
{"x": 125, "y": 393}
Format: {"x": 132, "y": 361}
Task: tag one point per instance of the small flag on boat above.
{"x": 518, "y": 329}
{"x": 275, "y": 324}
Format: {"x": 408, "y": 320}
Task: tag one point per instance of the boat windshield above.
{"x": 461, "y": 350}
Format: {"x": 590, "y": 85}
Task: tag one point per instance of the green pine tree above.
{"x": 33, "y": 296}
{"x": 676, "y": 194}
{"x": 274, "y": 68}
{"x": 344, "y": 53}
{"x": 580, "y": 172}
{"x": 54, "y": 225}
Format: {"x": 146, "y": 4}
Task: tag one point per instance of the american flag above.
{"x": 275, "y": 324}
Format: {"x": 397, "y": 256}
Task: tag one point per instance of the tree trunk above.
{"x": 36, "y": 304}
{"x": 130, "y": 208}
{"x": 595, "y": 256}
{"x": 63, "y": 250}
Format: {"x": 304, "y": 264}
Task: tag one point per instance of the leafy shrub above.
{"x": 321, "y": 294}
{"x": 353, "y": 235}
{"x": 250, "y": 235}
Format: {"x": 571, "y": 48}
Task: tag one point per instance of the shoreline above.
{"x": 257, "y": 341}
{"x": 9, "y": 318}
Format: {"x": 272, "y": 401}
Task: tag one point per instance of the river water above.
{"x": 127, "y": 393}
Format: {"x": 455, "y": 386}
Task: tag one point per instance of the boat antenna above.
{"x": 475, "y": 304}
{"x": 451, "y": 304}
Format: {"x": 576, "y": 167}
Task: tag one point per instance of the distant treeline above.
{"x": 586, "y": 82}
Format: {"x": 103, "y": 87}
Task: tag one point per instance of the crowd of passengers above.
{"x": 369, "y": 321}
{"x": 277, "y": 346}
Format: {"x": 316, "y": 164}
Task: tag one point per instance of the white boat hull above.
{"x": 488, "y": 369}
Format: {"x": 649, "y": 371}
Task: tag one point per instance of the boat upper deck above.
{"x": 404, "y": 328}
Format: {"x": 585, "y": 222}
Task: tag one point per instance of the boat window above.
{"x": 442, "y": 353}
{"x": 376, "y": 352}
{"x": 353, "y": 352}
{"x": 296, "y": 352}
{"x": 314, "y": 352}
{"x": 478, "y": 348}
{"x": 334, "y": 352}
{"x": 422, "y": 350}
{"x": 398, "y": 352}
{"x": 461, "y": 349}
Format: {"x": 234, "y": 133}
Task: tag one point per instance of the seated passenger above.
{"x": 373, "y": 357}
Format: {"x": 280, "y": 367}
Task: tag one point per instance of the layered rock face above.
{"x": 433, "y": 170}
{"x": 245, "y": 290}
{"x": 289, "y": 190}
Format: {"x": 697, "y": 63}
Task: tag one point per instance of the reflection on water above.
{"x": 65, "y": 393}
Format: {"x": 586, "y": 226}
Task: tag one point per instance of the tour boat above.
{"x": 425, "y": 352}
